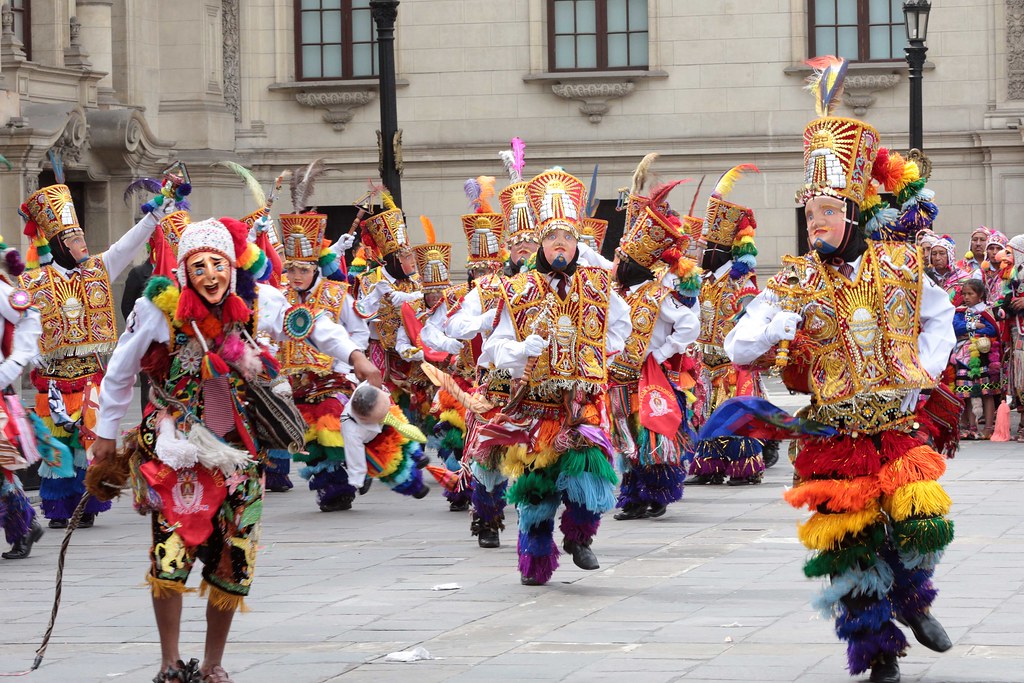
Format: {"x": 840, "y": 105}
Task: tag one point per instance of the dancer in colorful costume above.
{"x": 1013, "y": 308}
{"x": 864, "y": 332}
{"x": 72, "y": 292}
{"x": 648, "y": 418}
{"x": 558, "y": 328}
{"x": 197, "y": 460}
{"x": 730, "y": 282}
{"x": 20, "y": 330}
{"x": 382, "y": 292}
{"x": 520, "y": 225}
{"x": 317, "y": 379}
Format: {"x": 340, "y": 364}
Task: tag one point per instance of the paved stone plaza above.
{"x": 713, "y": 591}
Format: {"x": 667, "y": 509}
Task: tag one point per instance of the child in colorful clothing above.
{"x": 977, "y": 357}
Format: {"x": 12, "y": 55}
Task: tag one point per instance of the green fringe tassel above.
{"x": 532, "y": 488}
{"x": 863, "y": 555}
{"x": 453, "y": 440}
{"x": 156, "y": 286}
{"x": 924, "y": 535}
{"x": 910, "y": 190}
{"x": 590, "y": 460}
{"x": 745, "y": 250}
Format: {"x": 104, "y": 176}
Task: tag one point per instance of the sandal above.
{"x": 181, "y": 673}
{"x": 217, "y": 675}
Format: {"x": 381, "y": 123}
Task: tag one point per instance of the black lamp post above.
{"x": 384, "y": 13}
{"x": 915, "y": 16}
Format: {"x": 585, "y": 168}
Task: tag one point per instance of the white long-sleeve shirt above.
{"x": 591, "y": 257}
{"x": 353, "y": 323}
{"x": 508, "y": 353}
{"x": 356, "y": 435}
{"x": 676, "y": 328}
{"x": 746, "y": 342}
{"x": 147, "y": 324}
{"x": 25, "y": 344}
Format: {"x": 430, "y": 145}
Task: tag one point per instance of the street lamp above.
{"x": 384, "y": 13}
{"x": 915, "y": 16}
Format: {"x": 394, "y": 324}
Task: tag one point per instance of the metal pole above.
{"x": 915, "y": 52}
{"x": 385, "y": 12}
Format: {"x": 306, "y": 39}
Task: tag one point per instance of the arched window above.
{"x": 334, "y": 39}
{"x": 597, "y": 35}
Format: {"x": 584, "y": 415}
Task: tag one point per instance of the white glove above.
{"x": 346, "y": 241}
{"x": 414, "y": 357}
{"x": 534, "y": 345}
{"x": 164, "y": 210}
{"x": 282, "y": 387}
{"x": 486, "y": 321}
{"x": 399, "y": 298}
{"x": 263, "y": 224}
{"x": 783, "y": 326}
{"x": 452, "y": 346}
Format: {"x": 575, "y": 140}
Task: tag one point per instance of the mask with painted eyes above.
{"x": 826, "y": 224}
{"x": 209, "y": 273}
{"x": 559, "y": 248}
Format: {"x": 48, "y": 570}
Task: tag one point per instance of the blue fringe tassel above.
{"x": 589, "y": 490}
{"x": 533, "y": 515}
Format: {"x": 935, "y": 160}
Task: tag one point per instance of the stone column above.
{"x": 96, "y": 41}
{"x": 51, "y": 31}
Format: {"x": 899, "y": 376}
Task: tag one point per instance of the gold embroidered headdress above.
{"x": 433, "y": 260}
{"x": 592, "y": 231}
{"x": 385, "y": 233}
{"x": 483, "y": 228}
{"x": 653, "y": 231}
{"x": 520, "y": 223}
{"x": 557, "y": 200}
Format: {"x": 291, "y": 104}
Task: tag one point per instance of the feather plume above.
{"x": 57, "y": 161}
{"x": 508, "y": 160}
{"x": 253, "y": 185}
{"x": 387, "y": 201}
{"x": 5, "y": 162}
{"x": 696, "y": 194}
{"x": 659, "y": 195}
{"x": 640, "y": 174}
{"x": 486, "y": 183}
{"x": 826, "y": 83}
{"x": 472, "y": 189}
{"x": 149, "y": 186}
{"x": 519, "y": 154}
{"x": 428, "y": 229}
{"x": 593, "y": 202}
{"x": 729, "y": 179}
{"x": 303, "y": 183}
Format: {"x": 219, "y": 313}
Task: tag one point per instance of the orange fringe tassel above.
{"x": 221, "y": 600}
{"x": 920, "y": 463}
{"x": 165, "y": 588}
{"x": 839, "y": 495}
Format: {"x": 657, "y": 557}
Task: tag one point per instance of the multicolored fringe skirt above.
{"x": 736, "y": 458}
{"x": 59, "y": 491}
{"x": 451, "y": 431}
{"x": 325, "y": 452}
{"x": 16, "y": 511}
{"x": 878, "y": 531}
{"x": 391, "y": 455}
{"x": 653, "y": 465}
{"x": 559, "y": 464}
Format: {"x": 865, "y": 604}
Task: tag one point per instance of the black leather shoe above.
{"x": 582, "y": 556}
{"x": 529, "y": 580}
{"x": 366, "y": 486}
{"x": 458, "y": 506}
{"x": 632, "y": 511}
{"x": 279, "y": 489}
{"x": 750, "y": 481}
{"x": 23, "y": 546}
{"x": 58, "y": 524}
{"x": 657, "y": 510}
{"x": 928, "y": 631}
{"x": 87, "y": 520}
{"x": 422, "y": 493}
{"x": 488, "y": 538}
{"x": 336, "y": 505}
{"x": 887, "y": 670}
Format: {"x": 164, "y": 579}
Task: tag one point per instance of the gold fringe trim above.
{"x": 165, "y": 588}
{"x": 918, "y": 499}
{"x": 225, "y": 602}
{"x": 827, "y": 532}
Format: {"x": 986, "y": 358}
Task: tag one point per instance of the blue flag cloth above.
{"x": 758, "y": 418}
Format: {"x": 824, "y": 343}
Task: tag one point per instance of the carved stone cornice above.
{"x": 1015, "y": 49}
{"x": 593, "y": 89}
{"x": 339, "y": 99}
{"x": 860, "y": 89}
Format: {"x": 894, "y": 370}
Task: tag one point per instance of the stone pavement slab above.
{"x": 713, "y": 591}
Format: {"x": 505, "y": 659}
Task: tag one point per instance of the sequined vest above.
{"x": 861, "y": 334}
{"x": 721, "y": 300}
{"x": 389, "y": 316}
{"x": 300, "y": 356}
{"x": 576, "y": 328}
{"x": 77, "y": 312}
{"x": 644, "y": 305}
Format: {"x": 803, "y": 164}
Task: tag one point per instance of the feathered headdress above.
{"x": 251, "y": 183}
{"x": 826, "y": 83}
{"x": 514, "y": 160}
{"x": 303, "y": 183}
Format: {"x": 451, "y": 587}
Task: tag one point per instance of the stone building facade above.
{"x": 121, "y": 87}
